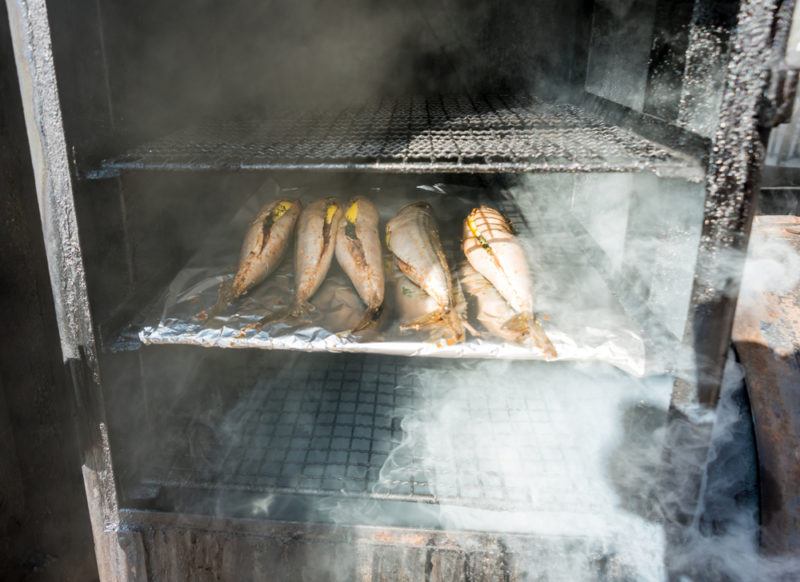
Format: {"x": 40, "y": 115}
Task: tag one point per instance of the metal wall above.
{"x": 44, "y": 522}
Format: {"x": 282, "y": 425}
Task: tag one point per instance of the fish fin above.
{"x": 293, "y": 316}
{"x": 528, "y": 324}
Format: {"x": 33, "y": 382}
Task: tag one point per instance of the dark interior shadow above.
{"x": 634, "y": 464}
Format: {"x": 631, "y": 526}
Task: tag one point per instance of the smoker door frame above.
{"x": 752, "y": 90}
{"x": 730, "y": 199}
{"x": 758, "y": 86}
{"x": 54, "y": 170}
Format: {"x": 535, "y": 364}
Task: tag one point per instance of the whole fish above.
{"x": 494, "y": 312}
{"x": 358, "y": 252}
{"x": 413, "y": 238}
{"x": 494, "y": 251}
{"x": 316, "y": 239}
{"x": 265, "y": 244}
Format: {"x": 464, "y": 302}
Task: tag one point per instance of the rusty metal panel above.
{"x": 193, "y": 547}
{"x": 766, "y": 336}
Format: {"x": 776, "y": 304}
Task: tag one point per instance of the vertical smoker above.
{"x": 612, "y": 130}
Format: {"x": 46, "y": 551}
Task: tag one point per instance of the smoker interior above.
{"x": 167, "y": 107}
{"x": 220, "y": 430}
{"x": 360, "y": 439}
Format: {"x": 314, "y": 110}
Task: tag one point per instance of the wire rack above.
{"x": 362, "y": 427}
{"x": 416, "y": 134}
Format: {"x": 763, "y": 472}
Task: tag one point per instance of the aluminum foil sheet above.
{"x": 587, "y": 323}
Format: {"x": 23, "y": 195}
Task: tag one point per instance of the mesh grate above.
{"x": 434, "y": 134}
{"x": 336, "y": 427}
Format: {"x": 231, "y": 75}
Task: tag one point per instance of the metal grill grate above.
{"x": 330, "y": 427}
{"x": 439, "y": 134}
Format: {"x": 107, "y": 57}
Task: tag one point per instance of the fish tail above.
{"x": 456, "y": 325}
{"x": 442, "y": 317}
{"x": 224, "y": 300}
{"x": 529, "y": 325}
{"x": 471, "y": 330}
{"x": 427, "y": 320}
{"x": 301, "y": 309}
{"x": 370, "y": 318}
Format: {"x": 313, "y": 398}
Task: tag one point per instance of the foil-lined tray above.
{"x": 579, "y": 314}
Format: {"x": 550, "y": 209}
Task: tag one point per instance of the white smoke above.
{"x": 570, "y": 451}
{"x": 722, "y": 543}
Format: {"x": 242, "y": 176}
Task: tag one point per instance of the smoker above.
{"x": 615, "y": 132}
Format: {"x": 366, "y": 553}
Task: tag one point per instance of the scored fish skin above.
{"x": 316, "y": 237}
{"x": 358, "y": 252}
{"x": 413, "y": 238}
{"x": 265, "y": 244}
{"x": 496, "y": 254}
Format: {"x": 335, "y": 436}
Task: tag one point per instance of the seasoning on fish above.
{"x": 413, "y": 238}
{"x": 494, "y": 251}
{"x": 265, "y": 244}
{"x": 316, "y": 239}
{"x": 358, "y": 252}
{"x": 495, "y": 313}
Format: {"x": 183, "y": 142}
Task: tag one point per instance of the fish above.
{"x": 413, "y": 239}
{"x": 265, "y": 243}
{"x": 358, "y": 252}
{"x": 494, "y": 251}
{"x": 317, "y": 228}
{"x": 494, "y": 313}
